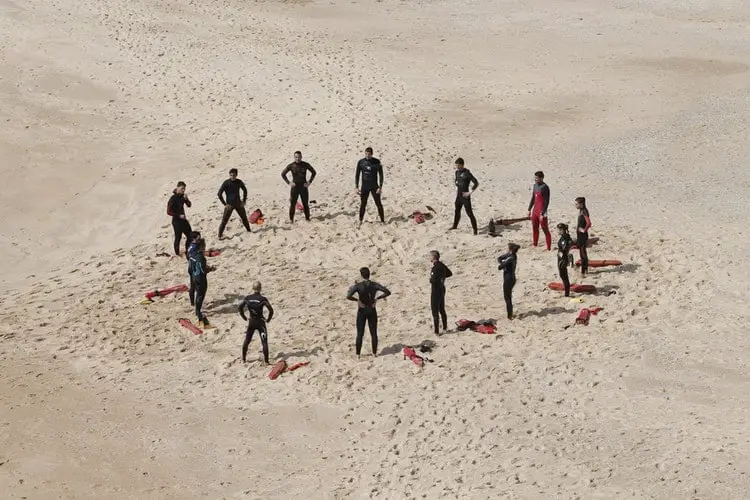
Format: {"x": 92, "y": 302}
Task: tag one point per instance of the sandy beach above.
{"x": 643, "y": 107}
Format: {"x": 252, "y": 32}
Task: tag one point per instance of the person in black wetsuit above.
{"x": 199, "y": 269}
{"x": 563, "y": 255}
{"x": 507, "y": 263}
{"x": 366, "y": 312}
{"x": 372, "y": 183}
{"x": 582, "y": 230}
{"x": 231, "y": 189}
{"x": 180, "y": 224}
{"x": 438, "y": 274}
{"x": 299, "y": 184}
{"x": 255, "y": 304}
{"x": 463, "y": 194}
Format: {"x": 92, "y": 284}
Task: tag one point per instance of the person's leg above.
{"x": 364, "y": 194}
{"x": 186, "y": 230}
{"x": 192, "y": 291}
{"x": 228, "y": 209}
{"x": 372, "y": 323}
{"x": 264, "y": 341}
{"x": 360, "y": 330}
{"x": 248, "y": 337}
{"x": 435, "y": 306}
{"x": 470, "y": 213}
{"x": 305, "y": 195}
{"x": 200, "y": 295}
{"x": 547, "y": 234}
{"x": 443, "y": 314}
{"x": 508, "y": 295}
{"x": 583, "y": 239}
{"x": 457, "y": 212}
{"x": 535, "y": 229}
{"x": 563, "y": 268}
{"x": 177, "y": 235}
{"x": 379, "y": 204}
{"x": 243, "y": 216}
{"x": 293, "y": 195}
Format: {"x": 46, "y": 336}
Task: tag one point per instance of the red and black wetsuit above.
{"x": 538, "y": 208}
{"x": 176, "y": 208}
{"x": 299, "y": 190}
{"x": 582, "y": 229}
{"x": 372, "y": 181}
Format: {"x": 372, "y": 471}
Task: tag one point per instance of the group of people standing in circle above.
{"x": 369, "y": 170}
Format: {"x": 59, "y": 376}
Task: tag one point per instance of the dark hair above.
{"x": 514, "y": 247}
{"x": 435, "y": 254}
{"x": 365, "y": 273}
{"x": 539, "y": 174}
{"x": 232, "y": 171}
{"x": 181, "y": 184}
{"x": 368, "y": 150}
{"x": 563, "y": 227}
{"x": 459, "y": 161}
{"x": 195, "y": 235}
{"x": 298, "y": 153}
{"x": 581, "y": 200}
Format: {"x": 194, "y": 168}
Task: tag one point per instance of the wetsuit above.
{"x": 299, "y": 190}
{"x": 582, "y": 229}
{"x": 231, "y": 189}
{"x": 437, "y": 296}
{"x": 372, "y": 181}
{"x": 463, "y": 178}
{"x": 538, "y": 208}
{"x": 176, "y": 208}
{"x": 198, "y": 270}
{"x": 508, "y": 266}
{"x": 563, "y": 260}
{"x": 255, "y": 304}
{"x": 367, "y": 313}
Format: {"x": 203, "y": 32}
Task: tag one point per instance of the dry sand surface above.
{"x": 641, "y": 106}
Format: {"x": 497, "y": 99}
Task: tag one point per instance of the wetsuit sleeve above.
{"x": 448, "y": 272}
{"x": 171, "y": 204}
{"x": 545, "y": 195}
{"x": 474, "y": 182}
{"x": 588, "y": 220}
{"x": 242, "y": 310}
{"x": 381, "y": 175}
{"x": 188, "y": 203}
{"x": 357, "y": 174}
{"x": 285, "y": 172}
{"x": 270, "y": 309}
{"x": 313, "y": 173}
{"x": 381, "y": 289}
{"x": 531, "y": 203}
{"x": 243, "y": 188}
{"x": 503, "y": 260}
{"x": 220, "y": 194}
{"x": 350, "y": 293}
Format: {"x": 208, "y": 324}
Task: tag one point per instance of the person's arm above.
{"x": 243, "y": 188}
{"x": 285, "y": 172}
{"x": 588, "y": 220}
{"x": 220, "y": 194}
{"x": 171, "y": 205}
{"x": 531, "y": 203}
{"x": 242, "y": 310}
{"x": 545, "y": 195}
{"x": 270, "y": 310}
{"x": 381, "y": 175}
{"x": 357, "y": 174}
{"x": 351, "y": 292}
{"x": 384, "y": 291}
{"x": 448, "y": 272}
{"x": 503, "y": 260}
{"x": 187, "y": 201}
{"x": 474, "y": 182}
{"x": 313, "y": 173}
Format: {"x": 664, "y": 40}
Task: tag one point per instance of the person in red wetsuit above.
{"x": 538, "y": 209}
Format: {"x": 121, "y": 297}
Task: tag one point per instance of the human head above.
{"x": 201, "y": 243}
{"x": 257, "y": 287}
{"x": 459, "y": 163}
{"x": 434, "y": 256}
{"x": 195, "y": 235}
{"x": 180, "y": 188}
{"x": 538, "y": 176}
{"x": 580, "y": 202}
{"x": 562, "y": 228}
{"x": 297, "y": 156}
{"x": 233, "y": 173}
{"x": 513, "y": 247}
{"x": 365, "y": 273}
{"x": 368, "y": 152}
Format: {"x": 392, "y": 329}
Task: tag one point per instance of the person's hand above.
{"x": 360, "y": 304}
{"x": 467, "y": 194}
{"x": 580, "y": 229}
{"x": 358, "y": 191}
{"x": 379, "y": 190}
{"x": 544, "y": 216}
{"x": 182, "y": 216}
{"x": 307, "y": 184}
{"x": 529, "y": 214}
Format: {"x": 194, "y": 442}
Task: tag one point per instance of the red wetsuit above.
{"x": 538, "y": 208}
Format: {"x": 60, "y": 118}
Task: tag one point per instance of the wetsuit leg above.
{"x": 192, "y": 291}
{"x": 248, "y": 338}
{"x": 228, "y": 209}
{"x": 562, "y": 267}
{"x": 435, "y": 307}
{"x": 200, "y": 294}
{"x": 361, "y": 319}
{"x": 294, "y": 194}
{"x": 305, "y": 195}
{"x": 264, "y": 340}
{"x": 470, "y": 213}
{"x": 365, "y": 193}
{"x": 547, "y": 235}
{"x": 372, "y": 324}
{"x": 186, "y": 230}
{"x": 379, "y": 204}
{"x": 508, "y": 294}
{"x": 441, "y": 309}
{"x": 457, "y": 212}
{"x": 535, "y": 228}
{"x": 243, "y": 216}
{"x": 583, "y": 239}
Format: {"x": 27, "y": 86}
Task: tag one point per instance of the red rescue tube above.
{"x": 277, "y": 370}
{"x": 167, "y": 291}
{"x": 578, "y": 288}
{"x": 601, "y": 263}
{"x": 186, "y": 323}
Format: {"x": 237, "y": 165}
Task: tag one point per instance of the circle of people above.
{"x": 233, "y": 196}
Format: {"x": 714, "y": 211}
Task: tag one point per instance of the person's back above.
{"x": 366, "y": 291}
{"x": 255, "y": 303}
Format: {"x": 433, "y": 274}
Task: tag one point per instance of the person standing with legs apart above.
{"x": 300, "y": 184}
{"x": 563, "y": 255}
{"x": 438, "y": 274}
{"x": 231, "y": 188}
{"x": 372, "y": 183}
{"x": 463, "y": 194}
{"x": 256, "y": 323}
{"x": 507, "y": 264}
{"x": 582, "y": 229}
{"x": 180, "y": 224}
{"x": 538, "y": 209}
{"x": 366, "y": 312}
{"x": 199, "y": 270}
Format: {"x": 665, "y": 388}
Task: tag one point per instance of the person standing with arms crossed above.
{"x": 538, "y": 209}
{"x": 507, "y": 264}
{"x": 563, "y": 255}
{"x": 582, "y": 229}
{"x": 372, "y": 183}
{"x": 180, "y": 224}
{"x": 300, "y": 184}
{"x": 366, "y": 312}
{"x": 231, "y": 188}
{"x": 463, "y": 194}
{"x": 438, "y": 274}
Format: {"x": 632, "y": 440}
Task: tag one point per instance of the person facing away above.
{"x": 463, "y": 180}
{"x": 538, "y": 210}
{"x": 231, "y": 188}
{"x": 180, "y": 224}
{"x": 255, "y": 303}
{"x": 198, "y": 270}
{"x": 438, "y": 275}
{"x": 582, "y": 229}
{"x": 299, "y": 184}
{"x": 366, "y": 291}
{"x": 507, "y": 264}
{"x": 564, "y": 245}
{"x": 371, "y": 171}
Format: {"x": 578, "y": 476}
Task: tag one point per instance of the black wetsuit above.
{"x": 176, "y": 208}
{"x": 508, "y": 266}
{"x": 198, "y": 270}
{"x": 367, "y": 313}
{"x": 372, "y": 181}
{"x": 463, "y": 178}
{"x": 298, "y": 190}
{"x": 563, "y": 260}
{"x": 582, "y": 229}
{"x": 255, "y": 304}
{"x": 231, "y": 189}
{"x": 438, "y": 274}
